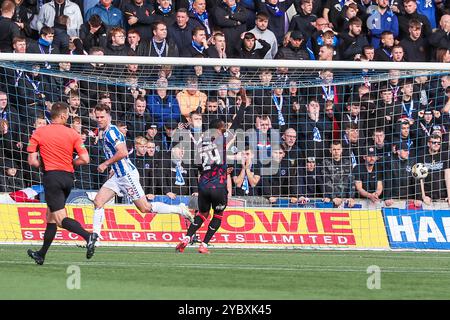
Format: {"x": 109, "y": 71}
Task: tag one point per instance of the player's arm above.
{"x": 82, "y": 159}
{"x": 33, "y": 160}
{"x": 121, "y": 153}
{"x": 80, "y": 148}
{"x": 33, "y": 154}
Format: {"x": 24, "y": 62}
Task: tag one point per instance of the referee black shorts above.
{"x": 57, "y": 187}
{"x": 215, "y": 198}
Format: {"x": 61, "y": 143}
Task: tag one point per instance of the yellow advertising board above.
{"x": 269, "y": 227}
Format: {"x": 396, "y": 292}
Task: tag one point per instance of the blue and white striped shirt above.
{"x": 111, "y": 138}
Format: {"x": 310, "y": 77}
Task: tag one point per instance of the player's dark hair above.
{"x": 102, "y": 107}
{"x": 58, "y": 108}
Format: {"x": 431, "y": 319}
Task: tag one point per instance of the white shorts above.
{"x": 127, "y": 185}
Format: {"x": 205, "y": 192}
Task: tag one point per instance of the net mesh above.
{"x": 309, "y": 138}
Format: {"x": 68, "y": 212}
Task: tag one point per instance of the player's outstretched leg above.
{"x": 198, "y": 221}
{"x": 181, "y": 209}
{"x": 75, "y": 227}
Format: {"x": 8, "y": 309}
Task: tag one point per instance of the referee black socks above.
{"x": 75, "y": 227}
{"x": 49, "y": 235}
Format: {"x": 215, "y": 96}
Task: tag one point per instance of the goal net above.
{"x": 327, "y": 155}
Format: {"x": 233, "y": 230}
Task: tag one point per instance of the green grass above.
{"x": 226, "y": 274}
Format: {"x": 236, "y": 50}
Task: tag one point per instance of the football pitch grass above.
{"x": 225, "y": 274}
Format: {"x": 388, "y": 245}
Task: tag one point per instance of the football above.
{"x": 419, "y": 171}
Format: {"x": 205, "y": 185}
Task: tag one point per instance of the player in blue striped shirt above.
{"x": 125, "y": 177}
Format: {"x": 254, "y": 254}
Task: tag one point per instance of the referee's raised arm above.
{"x": 56, "y": 144}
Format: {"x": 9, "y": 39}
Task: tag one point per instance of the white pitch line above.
{"x": 241, "y": 267}
{"x": 231, "y": 252}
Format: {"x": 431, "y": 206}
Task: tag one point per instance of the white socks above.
{"x": 160, "y": 207}
{"x": 99, "y": 215}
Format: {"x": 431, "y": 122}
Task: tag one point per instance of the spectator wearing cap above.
{"x": 425, "y": 126}
{"x": 278, "y": 18}
{"x": 153, "y": 134}
{"x": 439, "y": 130}
{"x": 399, "y": 182}
{"x": 162, "y": 104}
{"x": 352, "y": 42}
{"x": 310, "y": 181}
{"x": 261, "y": 31}
{"x": 294, "y": 50}
{"x": 437, "y": 182}
{"x": 231, "y": 17}
{"x": 247, "y": 48}
{"x": 368, "y": 177}
{"x": 138, "y": 119}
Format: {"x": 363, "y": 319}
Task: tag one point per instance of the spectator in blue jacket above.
{"x": 162, "y": 106}
{"x": 111, "y": 16}
{"x": 380, "y": 20}
{"x": 428, "y": 9}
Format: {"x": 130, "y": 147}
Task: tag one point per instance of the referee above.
{"x": 56, "y": 144}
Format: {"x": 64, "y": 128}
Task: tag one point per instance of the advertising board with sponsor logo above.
{"x": 265, "y": 227}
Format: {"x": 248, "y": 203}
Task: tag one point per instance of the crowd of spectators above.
{"x": 337, "y": 142}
